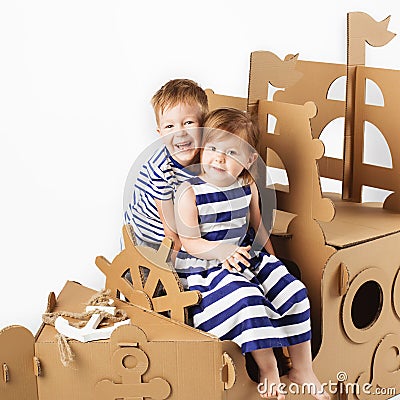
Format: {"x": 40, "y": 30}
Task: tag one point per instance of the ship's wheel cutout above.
{"x": 145, "y": 277}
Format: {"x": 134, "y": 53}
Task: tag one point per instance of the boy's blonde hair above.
{"x": 179, "y": 91}
{"x": 223, "y": 121}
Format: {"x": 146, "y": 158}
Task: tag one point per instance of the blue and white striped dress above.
{"x": 262, "y": 306}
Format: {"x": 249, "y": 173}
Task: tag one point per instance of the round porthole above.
{"x": 363, "y": 304}
{"x": 367, "y": 305}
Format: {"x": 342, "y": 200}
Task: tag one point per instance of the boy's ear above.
{"x": 252, "y": 159}
{"x": 158, "y": 130}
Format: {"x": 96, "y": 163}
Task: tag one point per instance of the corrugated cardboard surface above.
{"x": 368, "y": 353}
{"x": 386, "y": 121}
{"x": 16, "y": 355}
{"x": 314, "y": 85}
{"x": 356, "y": 223}
{"x": 188, "y": 359}
{"x": 192, "y": 369}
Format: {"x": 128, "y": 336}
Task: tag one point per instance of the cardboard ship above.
{"x": 346, "y": 252}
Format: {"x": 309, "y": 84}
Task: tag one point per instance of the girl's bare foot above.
{"x": 270, "y": 385}
{"x": 309, "y": 378}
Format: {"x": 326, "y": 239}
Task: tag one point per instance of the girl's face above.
{"x": 223, "y": 159}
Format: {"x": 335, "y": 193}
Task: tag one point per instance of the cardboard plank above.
{"x": 17, "y": 374}
{"x": 357, "y": 223}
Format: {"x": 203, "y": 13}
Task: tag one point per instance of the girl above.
{"x": 253, "y": 301}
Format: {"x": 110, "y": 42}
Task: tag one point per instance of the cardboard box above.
{"x": 156, "y": 357}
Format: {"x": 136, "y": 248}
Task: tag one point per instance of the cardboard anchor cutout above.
{"x": 129, "y": 363}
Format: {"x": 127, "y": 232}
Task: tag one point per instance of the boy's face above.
{"x": 179, "y": 128}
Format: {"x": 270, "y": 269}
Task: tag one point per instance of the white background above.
{"x": 76, "y": 78}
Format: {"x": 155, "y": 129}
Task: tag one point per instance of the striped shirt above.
{"x": 158, "y": 179}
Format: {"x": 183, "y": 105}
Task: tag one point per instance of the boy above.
{"x": 180, "y": 107}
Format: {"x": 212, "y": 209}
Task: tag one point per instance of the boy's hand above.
{"x": 241, "y": 254}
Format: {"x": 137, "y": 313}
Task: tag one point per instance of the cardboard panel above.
{"x": 183, "y": 369}
{"x": 219, "y": 100}
{"x": 386, "y": 118}
{"x": 356, "y": 223}
{"x": 361, "y": 320}
{"x": 176, "y": 353}
{"x": 361, "y": 29}
{"x": 17, "y": 374}
{"x": 265, "y": 68}
{"x": 317, "y": 77}
{"x": 195, "y": 364}
{"x": 298, "y": 151}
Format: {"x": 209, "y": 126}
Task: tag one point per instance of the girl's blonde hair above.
{"x": 227, "y": 120}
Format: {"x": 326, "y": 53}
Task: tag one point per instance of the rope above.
{"x": 100, "y": 298}
{"x": 66, "y": 354}
{"x": 83, "y": 317}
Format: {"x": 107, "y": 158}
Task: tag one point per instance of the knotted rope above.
{"x": 100, "y": 298}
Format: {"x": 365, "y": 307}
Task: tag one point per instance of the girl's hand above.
{"x": 241, "y": 254}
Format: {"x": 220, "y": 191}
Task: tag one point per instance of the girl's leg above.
{"x": 269, "y": 374}
{"x": 302, "y": 371}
